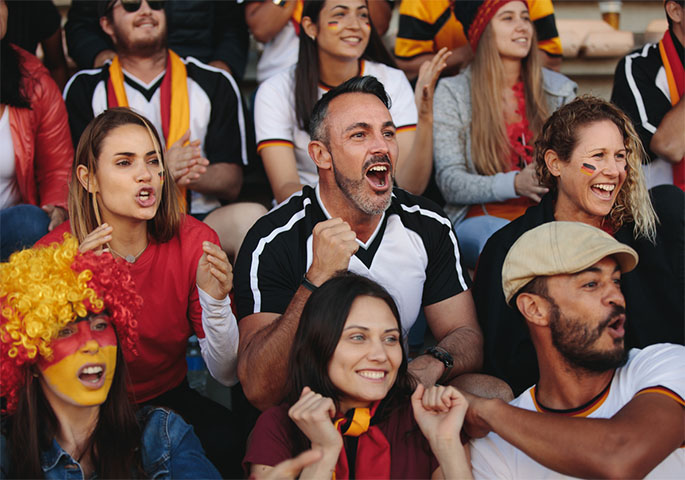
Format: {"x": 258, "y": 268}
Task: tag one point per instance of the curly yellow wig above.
{"x": 44, "y": 289}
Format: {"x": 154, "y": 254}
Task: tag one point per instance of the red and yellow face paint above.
{"x": 83, "y": 362}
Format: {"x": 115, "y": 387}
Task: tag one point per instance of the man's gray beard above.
{"x": 354, "y": 190}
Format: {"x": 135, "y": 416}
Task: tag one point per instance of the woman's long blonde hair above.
{"x": 83, "y": 208}
{"x": 490, "y": 147}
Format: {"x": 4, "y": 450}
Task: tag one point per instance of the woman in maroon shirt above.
{"x": 349, "y": 396}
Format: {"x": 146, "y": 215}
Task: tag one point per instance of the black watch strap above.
{"x": 442, "y": 355}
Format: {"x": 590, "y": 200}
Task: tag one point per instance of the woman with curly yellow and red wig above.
{"x": 63, "y": 377}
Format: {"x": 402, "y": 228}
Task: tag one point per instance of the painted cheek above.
{"x": 62, "y": 376}
{"x": 333, "y": 25}
{"x": 62, "y": 347}
{"x": 588, "y": 169}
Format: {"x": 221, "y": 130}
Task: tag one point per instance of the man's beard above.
{"x": 371, "y": 203}
{"x": 142, "y": 48}
{"x": 574, "y": 341}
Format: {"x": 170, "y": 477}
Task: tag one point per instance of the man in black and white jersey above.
{"x": 648, "y": 87}
{"x": 354, "y": 220}
{"x": 196, "y": 108}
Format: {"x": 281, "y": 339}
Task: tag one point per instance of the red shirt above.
{"x": 165, "y": 277}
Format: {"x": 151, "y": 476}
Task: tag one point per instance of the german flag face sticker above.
{"x": 588, "y": 169}
{"x": 81, "y": 368}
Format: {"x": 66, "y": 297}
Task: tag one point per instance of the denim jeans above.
{"x": 473, "y": 233}
{"x": 20, "y": 227}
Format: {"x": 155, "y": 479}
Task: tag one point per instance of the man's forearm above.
{"x": 630, "y": 444}
{"x": 263, "y": 358}
{"x": 222, "y": 180}
{"x": 668, "y": 142}
{"x": 464, "y": 344}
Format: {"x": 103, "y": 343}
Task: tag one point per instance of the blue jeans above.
{"x": 473, "y": 233}
{"x": 20, "y": 227}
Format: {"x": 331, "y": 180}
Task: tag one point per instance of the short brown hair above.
{"x": 84, "y": 219}
{"x": 560, "y": 134}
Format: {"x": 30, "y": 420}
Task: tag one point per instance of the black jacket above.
{"x": 654, "y": 290}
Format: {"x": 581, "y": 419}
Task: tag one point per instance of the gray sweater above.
{"x": 455, "y": 172}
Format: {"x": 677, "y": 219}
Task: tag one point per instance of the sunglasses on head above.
{"x": 133, "y": 5}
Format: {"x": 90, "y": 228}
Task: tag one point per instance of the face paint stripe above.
{"x": 588, "y": 169}
{"x": 333, "y": 25}
{"x": 62, "y": 347}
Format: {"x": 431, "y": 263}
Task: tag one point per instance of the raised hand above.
{"x": 439, "y": 411}
{"x": 185, "y": 162}
{"x": 429, "y": 72}
{"x": 214, "y": 272}
{"x": 333, "y": 245}
{"x": 527, "y": 184}
{"x": 312, "y": 414}
{"x": 96, "y": 239}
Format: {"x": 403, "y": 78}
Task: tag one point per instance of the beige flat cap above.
{"x": 556, "y": 248}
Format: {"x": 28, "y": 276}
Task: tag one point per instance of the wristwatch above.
{"x": 442, "y": 355}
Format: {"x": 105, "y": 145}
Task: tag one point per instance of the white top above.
{"x": 661, "y": 365}
{"x": 9, "y": 190}
{"x": 279, "y": 54}
{"x": 276, "y": 121}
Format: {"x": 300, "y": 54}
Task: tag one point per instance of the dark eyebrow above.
{"x": 363, "y": 125}
{"x": 125, "y": 154}
{"x": 366, "y": 329}
{"x": 389, "y": 123}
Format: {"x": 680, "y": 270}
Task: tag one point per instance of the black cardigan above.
{"x": 654, "y": 290}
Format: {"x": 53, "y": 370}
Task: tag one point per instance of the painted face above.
{"x": 363, "y": 148}
{"x": 83, "y": 362}
{"x": 142, "y": 32}
{"x": 590, "y": 181}
{"x": 128, "y": 179}
{"x": 512, "y": 30}
{"x": 588, "y": 316}
{"x": 365, "y": 362}
{"x": 343, "y": 30}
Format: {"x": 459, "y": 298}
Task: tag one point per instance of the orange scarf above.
{"x": 675, "y": 74}
{"x": 372, "y": 458}
{"x": 174, "y": 103}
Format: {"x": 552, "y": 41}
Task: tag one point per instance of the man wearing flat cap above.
{"x": 597, "y": 410}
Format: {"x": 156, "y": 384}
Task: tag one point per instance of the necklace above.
{"x": 129, "y": 258}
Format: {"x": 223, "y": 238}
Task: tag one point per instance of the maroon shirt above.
{"x": 410, "y": 454}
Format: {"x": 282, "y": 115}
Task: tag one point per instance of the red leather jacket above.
{"x": 42, "y": 143}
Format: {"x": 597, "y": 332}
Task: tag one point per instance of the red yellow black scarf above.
{"x": 174, "y": 103}
{"x": 372, "y": 458}
{"x": 675, "y": 74}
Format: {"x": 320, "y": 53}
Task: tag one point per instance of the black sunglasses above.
{"x": 133, "y": 5}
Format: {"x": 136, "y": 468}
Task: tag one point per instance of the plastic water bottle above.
{"x": 197, "y": 371}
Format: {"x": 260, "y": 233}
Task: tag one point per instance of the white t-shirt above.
{"x": 276, "y": 121}
{"x": 659, "y": 367}
{"x": 9, "y": 190}
{"x": 279, "y": 54}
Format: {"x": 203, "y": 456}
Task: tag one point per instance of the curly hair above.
{"x": 44, "y": 289}
{"x": 560, "y": 134}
